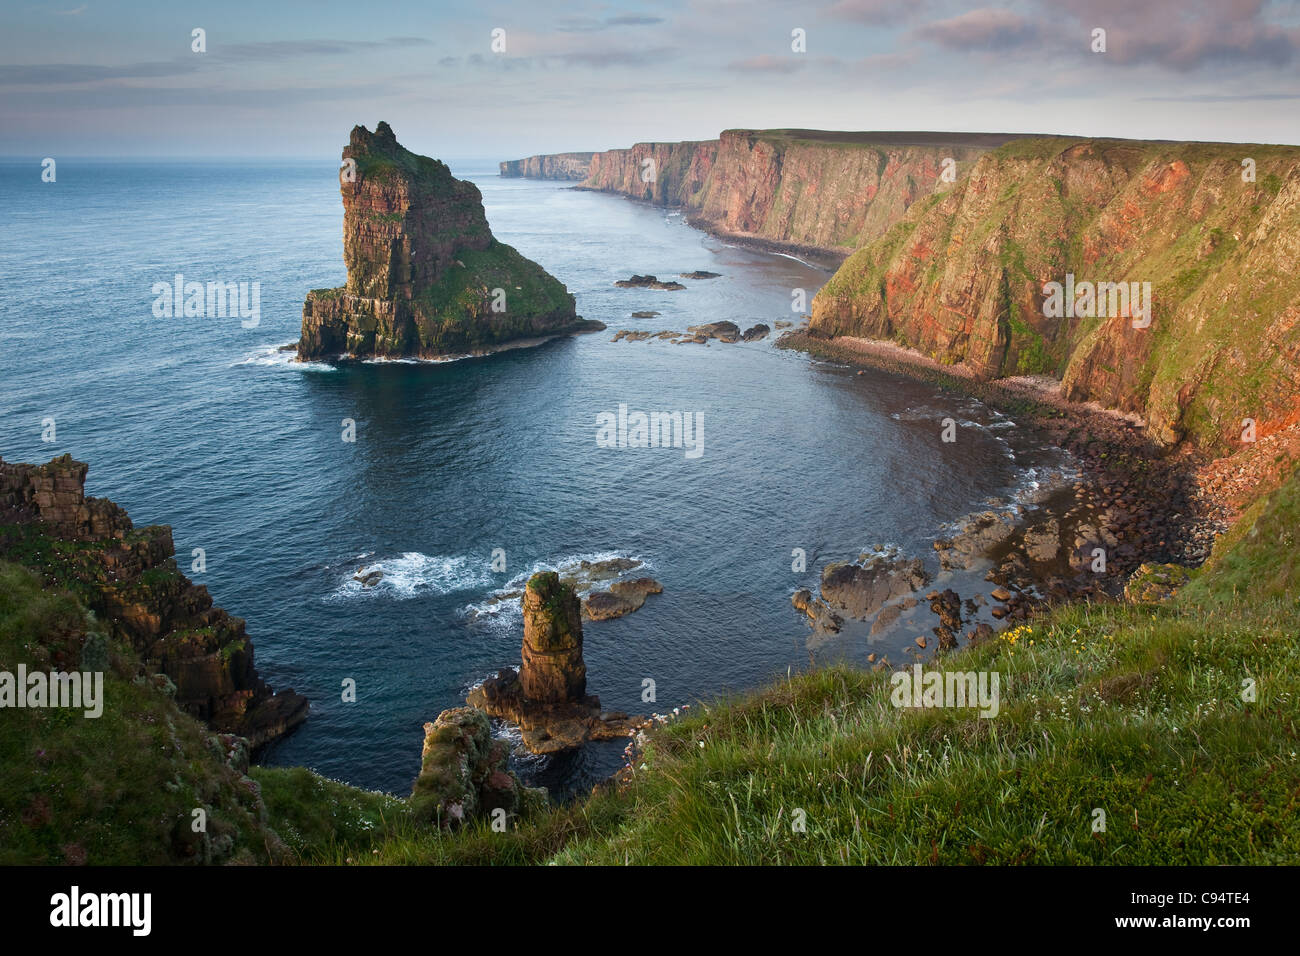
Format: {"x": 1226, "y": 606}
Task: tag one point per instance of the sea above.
{"x": 463, "y": 477}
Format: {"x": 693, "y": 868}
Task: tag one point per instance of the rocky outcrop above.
{"x": 129, "y": 579}
{"x": 623, "y": 597}
{"x": 722, "y": 331}
{"x": 812, "y": 191}
{"x": 861, "y": 589}
{"x": 426, "y": 278}
{"x": 547, "y": 697}
{"x": 964, "y": 278}
{"x": 464, "y": 773}
{"x": 978, "y": 538}
{"x": 570, "y": 166}
{"x": 648, "y": 282}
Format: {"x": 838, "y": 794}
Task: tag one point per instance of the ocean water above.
{"x": 201, "y": 424}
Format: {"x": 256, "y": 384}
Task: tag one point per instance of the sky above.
{"x": 287, "y": 79}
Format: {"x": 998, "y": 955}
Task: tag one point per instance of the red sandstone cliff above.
{"x": 964, "y": 278}
{"x": 811, "y": 190}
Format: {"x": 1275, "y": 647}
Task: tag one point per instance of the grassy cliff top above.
{"x": 822, "y": 137}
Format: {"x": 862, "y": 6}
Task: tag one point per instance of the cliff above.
{"x": 820, "y": 192}
{"x": 964, "y": 278}
{"x": 572, "y": 166}
{"x": 127, "y": 577}
{"x": 426, "y": 278}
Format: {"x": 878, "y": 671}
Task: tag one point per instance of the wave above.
{"x": 413, "y": 574}
{"x": 786, "y": 255}
{"x": 276, "y": 356}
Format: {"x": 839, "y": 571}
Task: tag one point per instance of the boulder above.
{"x": 722, "y": 331}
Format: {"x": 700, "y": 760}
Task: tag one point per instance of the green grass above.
{"x": 120, "y": 788}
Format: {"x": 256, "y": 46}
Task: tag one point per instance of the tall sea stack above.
{"x": 547, "y": 697}
{"x": 426, "y": 278}
{"x": 553, "y": 671}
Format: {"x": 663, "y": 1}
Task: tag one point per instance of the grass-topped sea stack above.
{"x": 425, "y": 276}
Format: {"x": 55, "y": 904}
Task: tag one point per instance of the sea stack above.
{"x": 553, "y": 671}
{"x": 426, "y": 278}
{"x": 547, "y": 698}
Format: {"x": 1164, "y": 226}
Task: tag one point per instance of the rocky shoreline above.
{"x": 1133, "y": 511}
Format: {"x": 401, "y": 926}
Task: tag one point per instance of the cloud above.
{"x": 600, "y": 58}
{"x": 1220, "y": 98}
{"x": 594, "y": 25}
{"x": 633, "y": 20}
{"x": 272, "y": 50}
{"x": 1184, "y": 35}
{"x": 876, "y": 12}
{"x": 985, "y": 29}
{"x": 768, "y": 64}
{"x": 64, "y": 74}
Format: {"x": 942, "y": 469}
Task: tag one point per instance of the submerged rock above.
{"x": 369, "y": 578}
{"x": 860, "y": 590}
{"x": 647, "y": 282}
{"x": 722, "y": 331}
{"x": 700, "y": 274}
{"x": 623, "y": 597}
{"x": 978, "y": 536}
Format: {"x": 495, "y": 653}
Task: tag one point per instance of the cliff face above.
{"x": 425, "y": 276}
{"x": 808, "y": 189}
{"x": 964, "y": 279}
{"x": 666, "y": 174}
{"x": 127, "y": 577}
{"x": 571, "y": 166}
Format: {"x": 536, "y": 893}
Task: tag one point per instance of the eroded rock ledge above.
{"x": 128, "y": 577}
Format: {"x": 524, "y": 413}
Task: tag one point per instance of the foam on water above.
{"x": 412, "y": 574}
{"x": 275, "y": 356}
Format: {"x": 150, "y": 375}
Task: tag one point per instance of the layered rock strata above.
{"x": 129, "y": 579}
{"x": 547, "y": 697}
{"x": 426, "y": 278}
